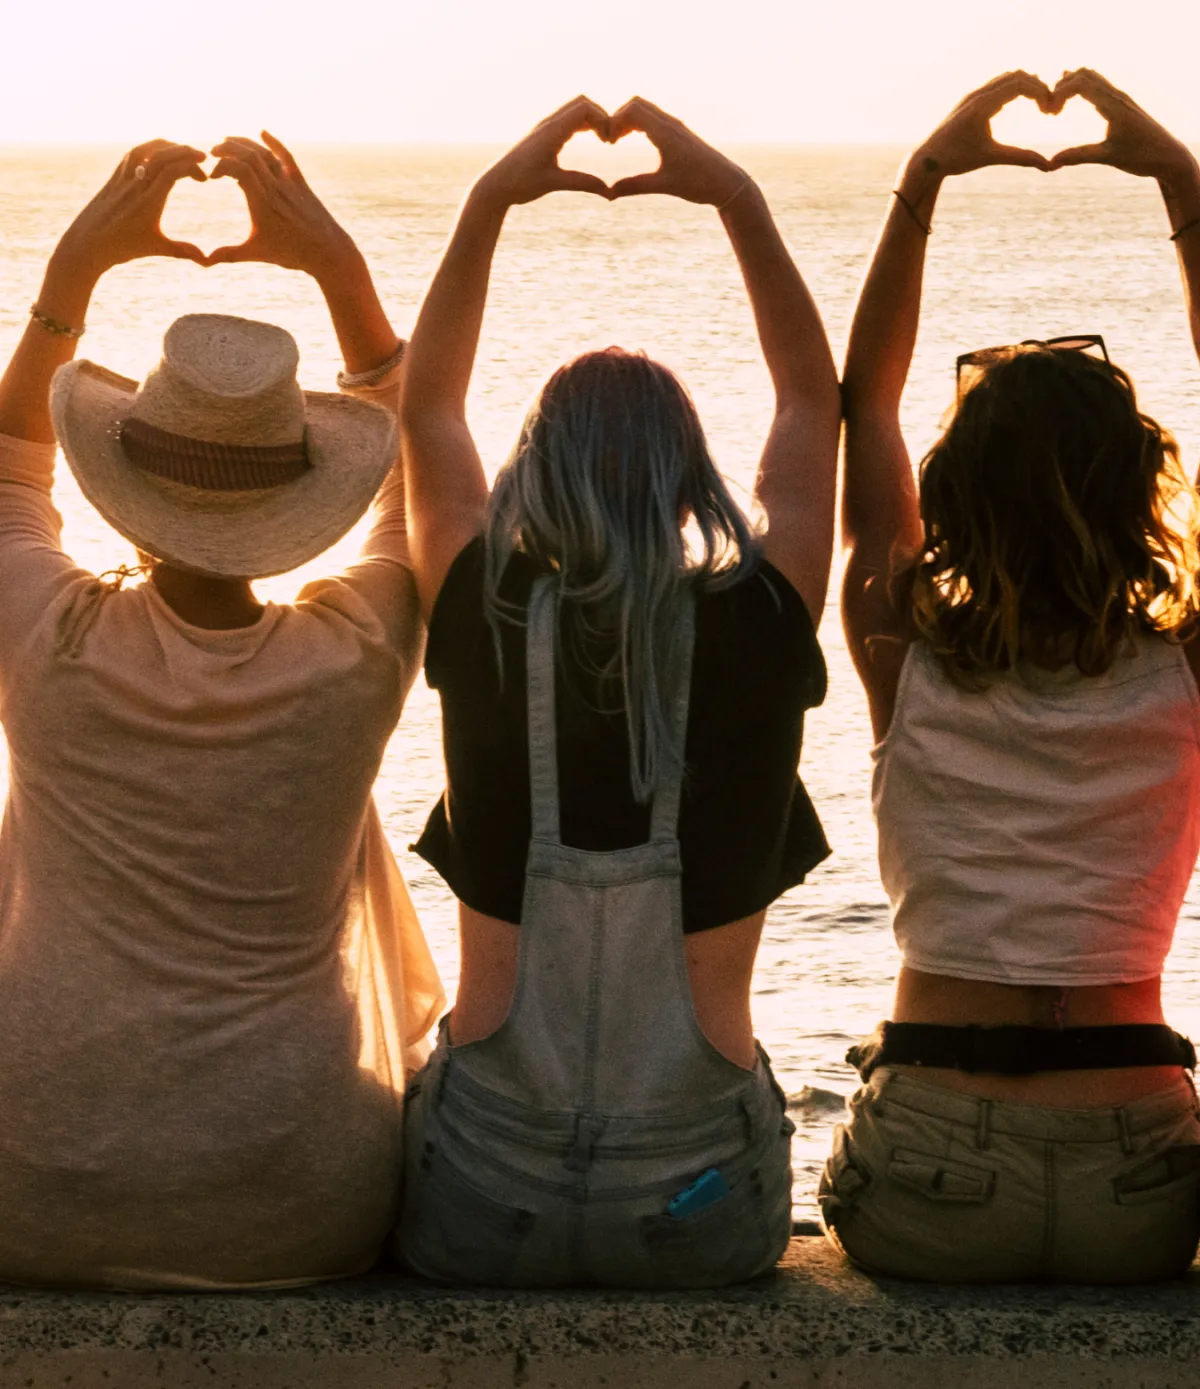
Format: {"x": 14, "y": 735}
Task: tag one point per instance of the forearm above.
{"x": 878, "y": 495}
{"x": 1181, "y": 194}
{"x": 64, "y": 297}
{"x": 364, "y": 332}
{"x": 790, "y": 331}
{"x": 883, "y": 334}
{"x": 441, "y": 353}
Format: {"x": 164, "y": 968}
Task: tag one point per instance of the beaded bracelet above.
{"x": 1187, "y": 226}
{"x": 349, "y": 381}
{"x": 912, "y": 211}
{"x": 52, "y": 325}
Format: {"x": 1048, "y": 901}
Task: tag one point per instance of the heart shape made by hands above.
{"x": 209, "y": 214}
{"x": 630, "y": 154}
{"x": 1023, "y": 124}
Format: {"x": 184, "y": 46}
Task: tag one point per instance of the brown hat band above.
{"x": 214, "y": 467}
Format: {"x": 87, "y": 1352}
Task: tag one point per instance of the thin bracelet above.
{"x": 745, "y": 183}
{"x": 353, "y": 380}
{"x": 52, "y": 325}
{"x": 1187, "y": 226}
{"x": 912, "y": 211}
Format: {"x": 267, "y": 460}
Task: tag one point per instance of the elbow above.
{"x": 815, "y": 401}
{"x": 816, "y": 416}
{"x": 865, "y": 395}
{"x": 422, "y": 420}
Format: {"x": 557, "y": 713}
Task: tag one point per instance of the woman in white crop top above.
{"x": 1020, "y": 619}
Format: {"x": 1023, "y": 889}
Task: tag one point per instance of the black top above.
{"x": 747, "y": 829}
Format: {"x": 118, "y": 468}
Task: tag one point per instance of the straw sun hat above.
{"x": 219, "y": 462}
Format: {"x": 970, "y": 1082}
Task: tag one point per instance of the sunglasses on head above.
{"x": 972, "y": 364}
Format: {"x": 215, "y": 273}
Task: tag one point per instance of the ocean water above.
{"x": 1015, "y": 254}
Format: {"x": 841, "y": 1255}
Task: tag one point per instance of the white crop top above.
{"x": 1042, "y": 831}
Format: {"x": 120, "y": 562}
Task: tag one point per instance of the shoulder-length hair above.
{"x": 610, "y": 467}
{"x": 1057, "y": 520}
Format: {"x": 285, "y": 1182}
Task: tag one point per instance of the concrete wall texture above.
{"x": 816, "y": 1323}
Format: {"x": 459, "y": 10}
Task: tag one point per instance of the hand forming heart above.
{"x": 123, "y": 221}
{"x": 688, "y": 168}
{"x": 1134, "y": 143}
{"x": 289, "y": 225}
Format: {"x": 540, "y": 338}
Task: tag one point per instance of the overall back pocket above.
{"x": 726, "y": 1242}
{"x": 455, "y": 1231}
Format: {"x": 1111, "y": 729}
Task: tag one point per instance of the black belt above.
{"x": 1021, "y": 1051}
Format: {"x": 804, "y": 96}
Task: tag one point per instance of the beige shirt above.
{"x": 209, "y": 965}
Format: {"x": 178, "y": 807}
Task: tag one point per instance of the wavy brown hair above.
{"x": 1057, "y": 522}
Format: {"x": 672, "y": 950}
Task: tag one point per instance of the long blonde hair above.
{"x": 1057, "y": 522}
{"x": 611, "y": 463}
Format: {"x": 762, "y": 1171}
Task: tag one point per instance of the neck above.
{"x": 217, "y": 604}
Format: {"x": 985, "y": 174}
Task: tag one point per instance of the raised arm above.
{"x": 291, "y": 227}
{"x": 1136, "y": 144}
{"x": 880, "y": 518}
{"x": 121, "y": 223}
{"x": 797, "y": 474}
{"x": 1181, "y": 194}
{"x": 447, "y": 489}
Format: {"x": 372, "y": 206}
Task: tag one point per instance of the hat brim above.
{"x": 252, "y": 534}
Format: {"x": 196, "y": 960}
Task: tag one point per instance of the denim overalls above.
{"x": 548, "y": 1152}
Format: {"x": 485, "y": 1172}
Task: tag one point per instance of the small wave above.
{"x": 860, "y": 914}
{"x": 811, "y": 1099}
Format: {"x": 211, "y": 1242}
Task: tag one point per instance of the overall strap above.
{"x": 664, "y": 817}
{"x": 540, "y": 622}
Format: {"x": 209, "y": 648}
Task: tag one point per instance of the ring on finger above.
{"x": 139, "y": 171}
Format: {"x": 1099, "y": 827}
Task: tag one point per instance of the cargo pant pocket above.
{"x": 1154, "y": 1224}
{"x": 726, "y": 1242}
{"x": 843, "y": 1179}
{"x": 454, "y": 1231}
{"x": 1173, "y": 1174}
{"x": 941, "y": 1180}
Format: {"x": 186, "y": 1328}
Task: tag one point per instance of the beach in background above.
{"x": 1014, "y": 255}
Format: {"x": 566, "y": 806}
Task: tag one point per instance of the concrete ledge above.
{"x": 816, "y": 1323}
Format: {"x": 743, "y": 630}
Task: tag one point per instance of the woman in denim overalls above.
{"x": 622, "y": 719}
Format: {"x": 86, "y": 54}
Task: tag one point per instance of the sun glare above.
{"x": 470, "y": 71}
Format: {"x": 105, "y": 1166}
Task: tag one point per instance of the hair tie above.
{"x": 912, "y": 211}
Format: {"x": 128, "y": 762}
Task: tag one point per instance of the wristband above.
{"x": 52, "y": 325}
{"x": 349, "y": 381}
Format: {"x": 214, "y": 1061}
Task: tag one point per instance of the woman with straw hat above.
{"x": 209, "y": 969}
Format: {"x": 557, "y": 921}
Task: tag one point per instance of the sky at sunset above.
{"x": 481, "y": 71}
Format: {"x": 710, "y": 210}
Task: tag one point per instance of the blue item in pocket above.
{"x": 708, "y": 1187}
